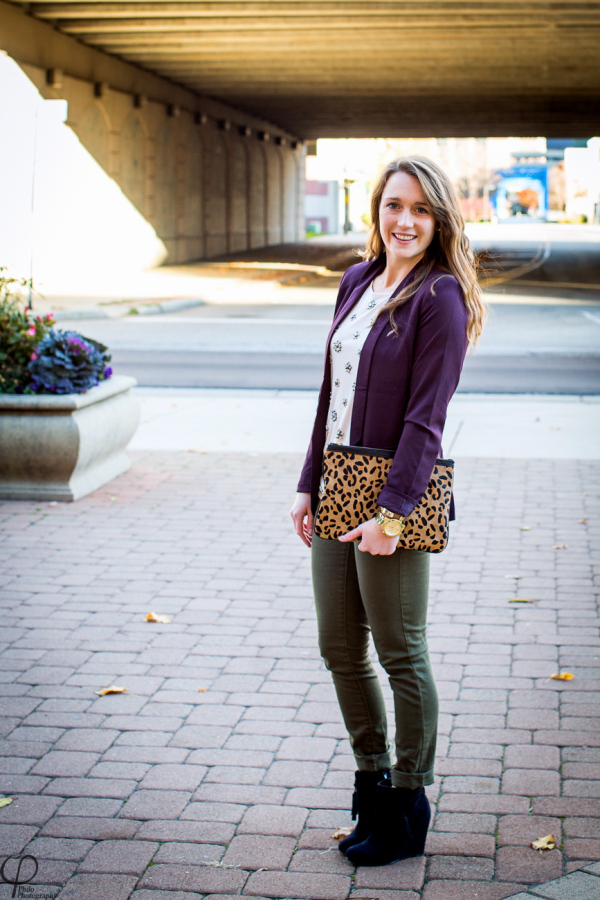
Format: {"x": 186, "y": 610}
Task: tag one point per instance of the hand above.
{"x": 373, "y": 540}
{"x": 302, "y": 517}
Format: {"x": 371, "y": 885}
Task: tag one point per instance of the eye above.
{"x": 422, "y": 209}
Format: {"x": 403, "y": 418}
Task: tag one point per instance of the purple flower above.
{"x": 108, "y": 372}
{"x": 68, "y": 363}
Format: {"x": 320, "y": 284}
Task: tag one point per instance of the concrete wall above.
{"x": 204, "y": 190}
{"x": 207, "y": 179}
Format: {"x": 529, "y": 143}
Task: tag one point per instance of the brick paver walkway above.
{"x": 225, "y": 768}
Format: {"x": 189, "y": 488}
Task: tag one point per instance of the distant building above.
{"x": 582, "y": 182}
{"x": 522, "y": 192}
{"x": 321, "y": 207}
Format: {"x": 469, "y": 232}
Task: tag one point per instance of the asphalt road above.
{"x": 526, "y": 348}
{"x": 511, "y": 374}
{"x": 542, "y": 336}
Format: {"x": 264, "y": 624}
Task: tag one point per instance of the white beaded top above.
{"x": 344, "y": 355}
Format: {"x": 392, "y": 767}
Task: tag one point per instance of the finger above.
{"x": 364, "y": 548}
{"x": 351, "y": 535}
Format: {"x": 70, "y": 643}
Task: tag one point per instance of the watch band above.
{"x": 389, "y": 514}
{"x": 390, "y": 527}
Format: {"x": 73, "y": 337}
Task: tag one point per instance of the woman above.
{"x": 403, "y": 320}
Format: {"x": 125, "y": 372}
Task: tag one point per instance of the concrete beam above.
{"x": 344, "y": 67}
{"x": 32, "y": 42}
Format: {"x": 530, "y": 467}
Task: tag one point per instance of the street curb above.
{"x": 154, "y": 309}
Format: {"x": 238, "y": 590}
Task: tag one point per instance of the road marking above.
{"x": 562, "y": 284}
{"x": 456, "y": 434}
{"x": 593, "y": 317}
{"x": 543, "y": 253}
{"x": 222, "y": 320}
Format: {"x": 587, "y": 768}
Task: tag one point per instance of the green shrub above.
{"x": 20, "y": 333}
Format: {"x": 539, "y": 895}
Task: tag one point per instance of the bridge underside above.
{"x": 358, "y": 68}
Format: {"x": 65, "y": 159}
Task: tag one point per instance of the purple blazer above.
{"x": 403, "y": 385}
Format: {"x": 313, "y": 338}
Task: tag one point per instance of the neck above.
{"x": 396, "y": 271}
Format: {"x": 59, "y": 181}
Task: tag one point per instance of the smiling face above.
{"x": 406, "y": 221}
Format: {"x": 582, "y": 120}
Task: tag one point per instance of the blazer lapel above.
{"x": 355, "y": 295}
{"x": 382, "y": 325}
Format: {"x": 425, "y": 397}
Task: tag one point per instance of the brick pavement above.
{"x": 225, "y": 768}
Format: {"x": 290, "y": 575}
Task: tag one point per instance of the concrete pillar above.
{"x": 257, "y": 194}
{"x": 274, "y": 202}
{"x": 238, "y": 196}
{"x": 134, "y": 162}
{"x": 289, "y": 196}
{"x": 165, "y": 154}
{"x": 191, "y": 213}
{"x": 94, "y": 131}
{"x": 300, "y": 163}
{"x": 216, "y": 174}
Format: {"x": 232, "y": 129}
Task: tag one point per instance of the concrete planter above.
{"x": 63, "y": 447}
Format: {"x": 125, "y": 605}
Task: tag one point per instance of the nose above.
{"x": 405, "y": 217}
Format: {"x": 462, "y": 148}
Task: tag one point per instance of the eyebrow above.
{"x": 416, "y": 203}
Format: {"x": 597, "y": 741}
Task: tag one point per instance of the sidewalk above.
{"x": 225, "y": 770}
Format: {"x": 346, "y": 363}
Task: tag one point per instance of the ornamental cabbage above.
{"x": 65, "y": 362}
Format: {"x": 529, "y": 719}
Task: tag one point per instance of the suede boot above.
{"x": 401, "y": 820}
{"x": 363, "y": 806}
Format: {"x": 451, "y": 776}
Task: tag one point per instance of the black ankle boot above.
{"x": 363, "y": 806}
{"x": 401, "y": 819}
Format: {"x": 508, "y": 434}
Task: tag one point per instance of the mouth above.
{"x": 404, "y": 238}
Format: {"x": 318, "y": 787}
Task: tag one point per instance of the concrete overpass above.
{"x": 198, "y": 109}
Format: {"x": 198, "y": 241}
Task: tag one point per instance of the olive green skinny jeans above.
{"x": 357, "y": 593}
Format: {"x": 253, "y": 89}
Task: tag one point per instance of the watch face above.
{"x": 393, "y": 528}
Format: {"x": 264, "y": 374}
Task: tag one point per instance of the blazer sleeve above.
{"x": 439, "y": 352}
{"x": 305, "y": 483}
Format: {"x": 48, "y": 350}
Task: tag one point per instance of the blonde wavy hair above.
{"x": 449, "y": 250}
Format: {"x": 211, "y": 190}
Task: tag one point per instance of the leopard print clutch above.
{"x": 353, "y": 478}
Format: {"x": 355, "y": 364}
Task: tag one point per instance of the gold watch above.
{"x": 390, "y": 523}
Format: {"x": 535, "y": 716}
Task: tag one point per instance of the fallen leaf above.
{"x": 560, "y": 547}
{"x": 222, "y": 865}
{"x": 583, "y": 521}
{"x": 562, "y": 676}
{"x": 513, "y": 576}
{"x": 113, "y": 499}
{"x": 525, "y": 527}
{"x": 5, "y": 801}
{"x": 111, "y": 689}
{"x": 521, "y": 600}
{"x": 264, "y": 869}
{"x": 544, "y": 843}
{"x": 201, "y": 690}
{"x": 340, "y": 833}
{"x": 157, "y": 617}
